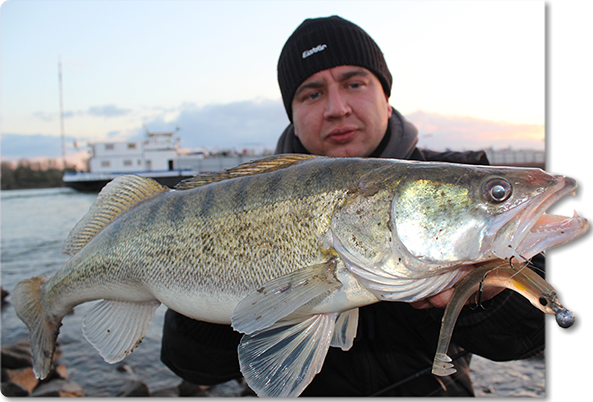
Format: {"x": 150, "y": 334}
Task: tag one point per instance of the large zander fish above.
{"x": 286, "y": 249}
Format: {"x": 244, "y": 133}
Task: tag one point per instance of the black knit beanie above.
{"x": 322, "y": 43}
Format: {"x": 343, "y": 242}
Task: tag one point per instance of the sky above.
{"x": 209, "y": 68}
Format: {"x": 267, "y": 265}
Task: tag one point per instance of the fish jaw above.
{"x": 532, "y": 231}
{"x": 551, "y": 231}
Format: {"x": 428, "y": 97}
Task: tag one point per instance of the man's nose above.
{"x": 337, "y": 105}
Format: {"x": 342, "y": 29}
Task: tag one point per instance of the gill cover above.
{"x": 365, "y": 236}
{"x": 439, "y": 222}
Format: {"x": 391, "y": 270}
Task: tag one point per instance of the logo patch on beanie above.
{"x": 314, "y": 50}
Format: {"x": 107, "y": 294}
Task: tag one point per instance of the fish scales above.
{"x": 215, "y": 232}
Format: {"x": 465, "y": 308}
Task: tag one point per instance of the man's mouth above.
{"x": 342, "y": 135}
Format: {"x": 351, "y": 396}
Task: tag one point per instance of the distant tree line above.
{"x": 27, "y": 174}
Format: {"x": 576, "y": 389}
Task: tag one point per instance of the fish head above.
{"x": 450, "y": 214}
{"x": 520, "y": 226}
{"x": 409, "y": 220}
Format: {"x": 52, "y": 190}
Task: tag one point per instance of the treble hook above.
{"x": 478, "y": 297}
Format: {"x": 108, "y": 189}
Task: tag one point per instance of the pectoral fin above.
{"x": 115, "y": 328}
{"x": 283, "y": 295}
{"x": 281, "y": 360}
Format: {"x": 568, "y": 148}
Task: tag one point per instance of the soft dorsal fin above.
{"x": 257, "y": 166}
{"x": 117, "y": 196}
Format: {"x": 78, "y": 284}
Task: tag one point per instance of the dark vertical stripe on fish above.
{"x": 177, "y": 210}
{"x": 240, "y": 194}
{"x": 207, "y": 203}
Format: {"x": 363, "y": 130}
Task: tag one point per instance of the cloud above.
{"x": 234, "y": 125}
{"x": 97, "y": 111}
{"x": 44, "y": 116}
{"x": 20, "y": 146}
{"x": 440, "y": 132}
{"x": 107, "y": 111}
{"x": 53, "y": 116}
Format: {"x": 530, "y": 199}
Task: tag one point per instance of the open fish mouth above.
{"x": 542, "y": 231}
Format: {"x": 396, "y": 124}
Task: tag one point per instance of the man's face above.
{"x": 341, "y": 111}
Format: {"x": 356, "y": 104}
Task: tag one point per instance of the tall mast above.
{"x": 62, "y": 113}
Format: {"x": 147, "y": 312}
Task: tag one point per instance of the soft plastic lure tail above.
{"x": 500, "y": 273}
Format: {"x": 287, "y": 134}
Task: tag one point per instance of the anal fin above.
{"x": 115, "y": 328}
{"x": 281, "y": 360}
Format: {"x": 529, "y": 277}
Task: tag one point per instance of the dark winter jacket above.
{"x": 395, "y": 343}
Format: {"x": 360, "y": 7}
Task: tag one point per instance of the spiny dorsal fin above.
{"x": 258, "y": 166}
{"x": 117, "y": 196}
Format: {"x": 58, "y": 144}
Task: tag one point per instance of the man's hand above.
{"x": 440, "y": 300}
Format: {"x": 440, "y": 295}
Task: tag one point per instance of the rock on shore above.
{"x": 518, "y": 378}
{"x": 18, "y": 378}
{"x": 3, "y": 293}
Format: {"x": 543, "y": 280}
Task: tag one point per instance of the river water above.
{"x": 34, "y": 225}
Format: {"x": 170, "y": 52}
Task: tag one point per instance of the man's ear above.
{"x": 389, "y": 108}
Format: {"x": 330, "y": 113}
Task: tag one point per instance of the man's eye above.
{"x": 355, "y": 85}
{"x": 313, "y": 95}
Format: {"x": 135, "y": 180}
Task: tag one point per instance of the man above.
{"x": 335, "y": 86}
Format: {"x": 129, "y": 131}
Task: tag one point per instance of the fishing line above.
{"x": 540, "y": 271}
{"x": 453, "y": 380}
{"x": 526, "y": 262}
{"x": 418, "y": 374}
{"x": 529, "y": 264}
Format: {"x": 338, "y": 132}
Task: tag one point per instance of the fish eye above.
{"x": 497, "y": 190}
{"x": 543, "y": 301}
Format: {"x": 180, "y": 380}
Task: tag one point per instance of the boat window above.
{"x": 109, "y": 147}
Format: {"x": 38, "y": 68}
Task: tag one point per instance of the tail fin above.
{"x": 43, "y": 326}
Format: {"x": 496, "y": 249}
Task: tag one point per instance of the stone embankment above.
{"x": 18, "y": 380}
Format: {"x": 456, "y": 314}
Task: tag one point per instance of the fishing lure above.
{"x": 500, "y": 273}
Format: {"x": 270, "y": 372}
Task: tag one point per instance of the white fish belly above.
{"x": 201, "y": 305}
